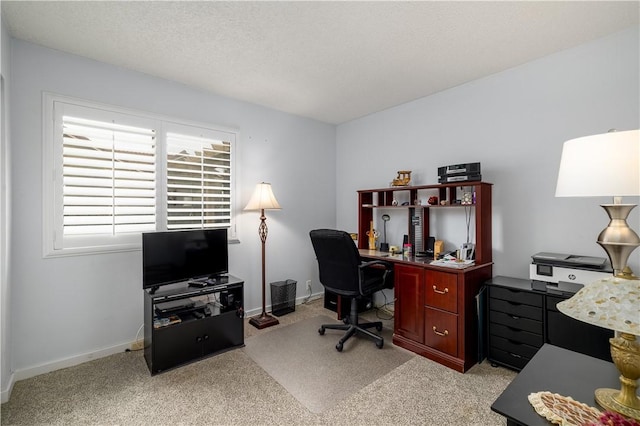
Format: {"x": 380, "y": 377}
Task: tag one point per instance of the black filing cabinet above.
{"x": 521, "y": 320}
{"x": 516, "y": 322}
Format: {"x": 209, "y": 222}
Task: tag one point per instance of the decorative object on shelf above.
{"x": 614, "y": 303}
{"x": 394, "y": 202}
{"x": 467, "y": 198}
{"x": 433, "y": 201}
{"x": 563, "y": 410}
{"x": 605, "y": 165}
{"x": 373, "y": 236}
{"x": 384, "y": 246}
{"x": 403, "y": 179}
{"x": 263, "y": 199}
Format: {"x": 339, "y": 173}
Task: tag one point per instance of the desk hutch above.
{"x": 436, "y": 313}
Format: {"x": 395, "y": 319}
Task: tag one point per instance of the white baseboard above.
{"x": 29, "y": 372}
{"x": 6, "y": 393}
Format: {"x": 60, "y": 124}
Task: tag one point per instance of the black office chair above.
{"x": 343, "y": 272}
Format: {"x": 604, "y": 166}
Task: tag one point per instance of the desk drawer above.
{"x": 516, "y": 322}
{"x": 516, "y": 296}
{"x": 514, "y": 347}
{"x": 516, "y": 335}
{"x": 516, "y": 309}
{"x": 442, "y": 291}
{"x": 441, "y": 331}
{"x": 507, "y": 358}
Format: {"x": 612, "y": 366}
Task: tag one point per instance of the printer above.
{"x": 558, "y": 277}
{"x": 567, "y": 269}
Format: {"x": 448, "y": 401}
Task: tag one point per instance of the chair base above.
{"x": 352, "y": 327}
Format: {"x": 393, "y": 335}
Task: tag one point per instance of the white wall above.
{"x": 66, "y": 310}
{"x": 5, "y": 311}
{"x": 514, "y": 123}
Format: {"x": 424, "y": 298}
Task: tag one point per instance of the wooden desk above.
{"x": 436, "y": 308}
{"x": 559, "y": 371}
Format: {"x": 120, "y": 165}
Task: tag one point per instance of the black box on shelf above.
{"x": 283, "y": 297}
{"x": 459, "y": 173}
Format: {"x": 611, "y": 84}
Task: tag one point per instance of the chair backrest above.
{"x": 338, "y": 261}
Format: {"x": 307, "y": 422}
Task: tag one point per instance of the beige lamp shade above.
{"x": 600, "y": 165}
{"x": 263, "y": 198}
{"x": 612, "y": 303}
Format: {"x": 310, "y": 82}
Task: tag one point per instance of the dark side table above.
{"x": 559, "y": 371}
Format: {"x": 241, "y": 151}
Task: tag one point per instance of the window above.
{"x": 198, "y": 178}
{"x": 117, "y": 173}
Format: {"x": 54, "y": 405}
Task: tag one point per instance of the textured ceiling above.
{"x": 331, "y": 61}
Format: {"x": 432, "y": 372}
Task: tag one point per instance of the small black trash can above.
{"x": 283, "y": 297}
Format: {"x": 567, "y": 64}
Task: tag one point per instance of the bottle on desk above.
{"x": 406, "y": 250}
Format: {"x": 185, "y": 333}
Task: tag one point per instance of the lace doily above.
{"x": 563, "y": 410}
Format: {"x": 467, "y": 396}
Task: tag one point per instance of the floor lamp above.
{"x": 263, "y": 199}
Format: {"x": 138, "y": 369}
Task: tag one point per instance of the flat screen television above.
{"x": 173, "y": 256}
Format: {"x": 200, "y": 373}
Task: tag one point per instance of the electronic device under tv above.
{"x": 174, "y": 256}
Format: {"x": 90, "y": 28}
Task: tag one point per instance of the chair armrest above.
{"x": 386, "y": 268}
{"x": 387, "y": 265}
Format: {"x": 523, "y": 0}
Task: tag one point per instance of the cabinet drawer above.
{"x": 516, "y": 309}
{"x": 515, "y": 322}
{"x": 516, "y": 296}
{"x": 442, "y": 291}
{"x": 532, "y": 339}
{"x": 441, "y": 331}
{"x": 508, "y": 358}
{"x": 514, "y": 347}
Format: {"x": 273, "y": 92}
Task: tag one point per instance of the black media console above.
{"x": 184, "y": 323}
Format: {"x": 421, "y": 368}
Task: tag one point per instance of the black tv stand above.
{"x": 212, "y": 325}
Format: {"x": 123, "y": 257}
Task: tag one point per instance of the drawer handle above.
{"x": 445, "y": 291}
{"x": 515, "y": 317}
{"x": 515, "y": 355}
{"x": 439, "y": 333}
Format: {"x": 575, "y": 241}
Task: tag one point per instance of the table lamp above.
{"x": 263, "y": 199}
{"x": 614, "y": 303}
{"x": 605, "y": 165}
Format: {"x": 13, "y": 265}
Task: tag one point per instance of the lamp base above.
{"x": 607, "y": 398}
{"x": 263, "y": 321}
{"x": 625, "y": 352}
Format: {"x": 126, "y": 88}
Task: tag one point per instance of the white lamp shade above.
{"x": 612, "y": 303}
{"x": 600, "y": 165}
{"x": 263, "y": 198}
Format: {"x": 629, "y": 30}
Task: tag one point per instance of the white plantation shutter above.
{"x": 111, "y": 174}
{"x": 108, "y": 178}
{"x": 198, "y": 180}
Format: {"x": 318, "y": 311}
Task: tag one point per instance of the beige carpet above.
{"x": 232, "y": 389}
{"x": 308, "y": 365}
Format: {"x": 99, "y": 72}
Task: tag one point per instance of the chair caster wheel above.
{"x": 380, "y": 344}
{"x": 339, "y": 347}
{"x": 321, "y": 331}
{"x": 379, "y": 327}
{"x": 345, "y": 320}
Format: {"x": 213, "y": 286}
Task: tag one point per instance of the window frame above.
{"x": 54, "y": 244}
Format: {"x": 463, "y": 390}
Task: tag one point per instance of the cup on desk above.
{"x": 393, "y": 250}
